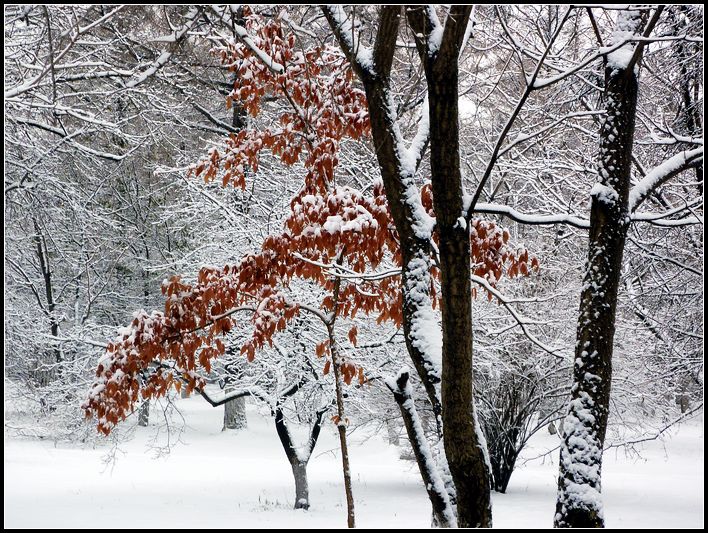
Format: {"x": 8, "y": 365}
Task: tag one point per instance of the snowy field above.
{"x": 238, "y": 480}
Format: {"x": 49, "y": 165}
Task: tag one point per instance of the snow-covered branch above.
{"x": 662, "y": 173}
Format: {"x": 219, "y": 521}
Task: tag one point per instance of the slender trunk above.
{"x": 579, "y": 502}
{"x": 144, "y": 413}
{"x": 298, "y": 461}
{"x": 691, "y": 111}
{"x": 342, "y": 427}
{"x": 393, "y": 436}
{"x": 48, "y": 288}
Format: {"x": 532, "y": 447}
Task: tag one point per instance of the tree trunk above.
{"x": 341, "y": 422}
{"x": 443, "y": 511}
{"x": 579, "y": 502}
{"x": 465, "y": 446}
{"x": 298, "y": 463}
{"x": 46, "y": 370}
{"x": 144, "y": 414}
{"x": 403, "y": 199}
{"x": 235, "y": 414}
{"x": 392, "y": 430}
{"x": 302, "y": 495}
{"x": 299, "y": 460}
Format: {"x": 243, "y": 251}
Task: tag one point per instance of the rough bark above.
{"x": 579, "y": 485}
{"x": 398, "y": 180}
{"x": 463, "y": 441}
{"x": 464, "y": 445}
{"x": 235, "y": 413}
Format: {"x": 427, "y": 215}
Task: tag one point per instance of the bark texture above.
{"x": 579, "y": 502}
{"x": 465, "y": 447}
{"x": 235, "y": 413}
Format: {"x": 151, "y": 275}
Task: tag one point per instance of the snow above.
{"x": 425, "y": 332}
{"x": 628, "y": 27}
{"x": 166, "y": 55}
{"x": 604, "y": 193}
{"x": 436, "y": 34}
{"x": 218, "y": 479}
{"x": 527, "y": 218}
{"x": 660, "y": 173}
{"x": 438, "y": 485}
{"x": 362, "y": 55}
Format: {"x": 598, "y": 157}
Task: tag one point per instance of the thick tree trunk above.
{"x": 298, "y": 462}
{"x": 235, "y": 414}
{"x": 398, "y": 168}
{"x": 398, "y": 175}
{"x": 579, "y": 502}
{"x": 465, "y": 447}
{"x": 415, "y": 244}
{"x": 302, "y": 494}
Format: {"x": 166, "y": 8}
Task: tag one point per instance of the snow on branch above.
{"x": 74, "y": 32}
{"x": 343, "y": 27}
{"x": 662, "y": 173}
{"x": 522, "y": 321}
{"x": 165, "y": 56}
{"x": 526, "y": 218}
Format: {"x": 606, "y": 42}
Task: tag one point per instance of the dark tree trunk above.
{"x": 298, "y": 460}
{"x": 402, "y": 196}
{"x": 298, "y": 465}
{"x": 583, "y": 432}
{"x": 464, "y": 445}
{"x": 467, "y": 464}
{"x": 45, "y": 269}
{"x": 689, "y": 90}
{"x": 302, "y": 494}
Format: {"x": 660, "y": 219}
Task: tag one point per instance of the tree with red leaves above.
{"x": 335, "y": 237}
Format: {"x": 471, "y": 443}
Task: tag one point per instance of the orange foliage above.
{"x": 325, "y": 106}
{"x": 167, "y": 349}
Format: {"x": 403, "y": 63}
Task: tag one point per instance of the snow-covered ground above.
{"x": 242, "y": 479}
